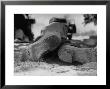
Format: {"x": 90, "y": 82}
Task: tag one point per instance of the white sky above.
{"x": 42, "y": 20}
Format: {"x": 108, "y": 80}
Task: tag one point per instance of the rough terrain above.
{"x": 50, "y": 67}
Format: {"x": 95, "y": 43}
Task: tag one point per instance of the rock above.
{"x": 68, "y": 53}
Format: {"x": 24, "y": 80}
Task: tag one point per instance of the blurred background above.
{"x": 28, "y": 26}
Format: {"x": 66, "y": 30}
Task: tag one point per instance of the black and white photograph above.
{"x": 55, "y": 44}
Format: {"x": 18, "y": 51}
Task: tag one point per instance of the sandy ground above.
{"x": 46, "y": 69}
{"x": 51, "y": 68}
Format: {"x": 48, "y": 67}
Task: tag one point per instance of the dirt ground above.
{"x": 50, "y": 67}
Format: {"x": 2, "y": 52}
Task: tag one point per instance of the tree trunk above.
{"x": 70, "y": 54}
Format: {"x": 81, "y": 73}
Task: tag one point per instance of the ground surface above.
{"x": 50, "y": 67}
